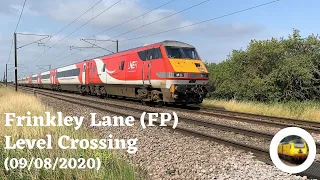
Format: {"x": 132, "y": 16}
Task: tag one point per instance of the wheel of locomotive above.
{"x": 104, "y": 96}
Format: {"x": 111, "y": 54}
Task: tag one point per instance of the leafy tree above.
{"x": 270, "y": 70}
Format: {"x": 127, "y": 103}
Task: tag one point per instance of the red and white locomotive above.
{"x": 169, "y": 71}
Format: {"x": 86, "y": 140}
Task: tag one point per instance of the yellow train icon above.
{"x": 294, "y": 150}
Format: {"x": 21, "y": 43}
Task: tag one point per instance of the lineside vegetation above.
{"x": 282, "y": 75}
{"x": 296, "y": 110}
{"x": 113, "y": 165}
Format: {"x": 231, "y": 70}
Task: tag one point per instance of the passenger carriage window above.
{"x": 68, "y": 73}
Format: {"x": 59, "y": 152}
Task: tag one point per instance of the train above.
{"x": 294, "y": 150}
{"x": 164, "y": 72}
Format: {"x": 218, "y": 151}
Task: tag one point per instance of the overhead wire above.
{"x": 133, "y": 18}
{"x": 17, "y": 28}
{"x": 193, "y": 6}
{"x": 78, "y": 28}
{"x": 120, "y": 24}
{"x": 201, "y": 22}
{"x": 69, "y": 25}
{"x": 144, "y": 25}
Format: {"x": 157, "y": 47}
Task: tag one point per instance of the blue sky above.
{"x": 214, "y": 40}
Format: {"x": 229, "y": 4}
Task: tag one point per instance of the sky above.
{"x": 213, "y": 39}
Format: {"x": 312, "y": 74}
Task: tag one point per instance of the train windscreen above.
{"x": 181, "y": 52}
{"x": 299, "y": 145}
{"x": 174, "y": 52}
{"x": 190, "y": 53}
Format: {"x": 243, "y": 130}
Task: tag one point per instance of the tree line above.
{"x": 270, "y": 70}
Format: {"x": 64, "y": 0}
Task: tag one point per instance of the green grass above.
{"x": 297, "y": 110}
{"x": 113, "y": 165}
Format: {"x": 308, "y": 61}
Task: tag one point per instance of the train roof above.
{"x": 164, "y": 43}
{"x": 175, "y": 43}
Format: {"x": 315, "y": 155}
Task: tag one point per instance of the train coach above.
{"x": 164, "y": 72}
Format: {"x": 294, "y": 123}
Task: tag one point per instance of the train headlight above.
{"x": 178, "y": 74}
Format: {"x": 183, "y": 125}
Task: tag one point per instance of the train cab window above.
{"x": 142, "y": 55}
{"x": 84, "y": 68}
{"x": 174, "y": 52}
{"x": 150, "y": 54}
{"x": 190, "y": 53}
{"x": 156, "y": 53}
{"x": 121, "y": 67}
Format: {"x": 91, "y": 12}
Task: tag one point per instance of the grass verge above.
{"x": 112, "y": 167}
{"x": 297, "y": 110}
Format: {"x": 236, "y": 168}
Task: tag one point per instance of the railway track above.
{"x": 261, "y": 153}
{"x": 311, "y": 126}
{"x": 279, "y": 122}
{"x": 205, "y": 123}
{"x": 103, "y": 106}
{"x": 291, "y": 121}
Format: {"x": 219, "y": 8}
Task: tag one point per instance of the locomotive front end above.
{"x": 188, "y": 79}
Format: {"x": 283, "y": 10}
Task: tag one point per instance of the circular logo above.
{"x": 292, "y": 131}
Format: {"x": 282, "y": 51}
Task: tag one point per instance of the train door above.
{"x": 53, "y": 77}
{"x": 39, "y": 79}
{"x": 146, "y": 69}
{"x": 84, "y": 73}
{"x": 90, "y": 73}
{"x": 123, "y": 69}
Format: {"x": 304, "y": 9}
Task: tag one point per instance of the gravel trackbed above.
{"x": 171, "y": 155}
